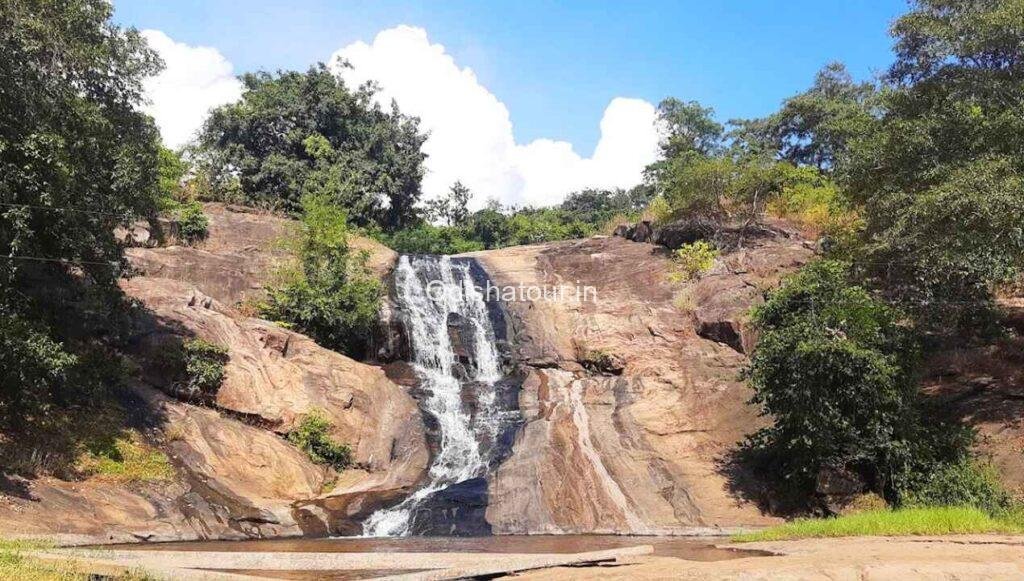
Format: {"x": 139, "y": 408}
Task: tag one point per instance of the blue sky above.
{"x": 557, "y": 64}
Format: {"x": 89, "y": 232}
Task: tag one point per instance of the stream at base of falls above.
{"x": 455, "y": 356}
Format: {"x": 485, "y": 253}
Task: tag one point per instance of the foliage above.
{"x": 328, "y": 293}
{"x": 452, "y": 209}
{"x": 77, "y": 159}
{"x": 694, "y": 259}
{"x": 33, "y": 367}
{"x": 312, "y": 437}
{"x": 429, "y": 239}
{"x": 200, "y": 364}
{"x": 658, "y": 211}
{"x": 296, "y": 133}
{"x": 193, "y": 225}
{"x": 932, "y": 521}
{"x": 171, "y": 170}
{"x": 688, "y": 128}
{"x": 125, "y": 458}
{"x": 939, "y": 173}
{"x": 938, "y": 252}
{"x": 72, "y": 137}
{"x": 965, "y": 483}
{"x": 814, "y": 127}
{"x": 834, "y": 368}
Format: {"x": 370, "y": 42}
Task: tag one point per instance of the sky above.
{"x": 525, "y": 101}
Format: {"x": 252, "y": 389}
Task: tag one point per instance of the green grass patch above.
{"x": 16, "y": 563}
{"x": 125, "y": 458}
{"x": 902, "y": 522}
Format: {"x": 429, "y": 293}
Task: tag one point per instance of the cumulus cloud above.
{"x": 196, "y": 79}
{"x": 470, "y": 129}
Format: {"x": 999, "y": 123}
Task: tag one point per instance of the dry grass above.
{"x": 125, "y": 458}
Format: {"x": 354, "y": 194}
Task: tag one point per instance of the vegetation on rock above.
{"x": 339, "y": 146}
{"x": 326, "y": 292}
{"x": 312, "y": 436}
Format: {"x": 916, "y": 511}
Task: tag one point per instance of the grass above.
{"x": 125, "y": 458}
{"x": 902, "y": 522}
{"x": 15, "y": 564}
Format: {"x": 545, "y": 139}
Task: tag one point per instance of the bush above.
{"x": 199, "y": 366}
{"x": 327, "y": 292}
{"x": 658, "y": 211}
{"x": 193, "y": 225}
{"x": 311, "y": 436}
{"x": 694, "y": 259}
{"x": 34, "y": 368}
{"x": 429, "y": 239}
{"x": 834, "y": 369}
{"x": 963, "y": 483}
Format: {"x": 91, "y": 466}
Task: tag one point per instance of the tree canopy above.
{"x": 77, "y": 159}
{"x": 294, "y": 133}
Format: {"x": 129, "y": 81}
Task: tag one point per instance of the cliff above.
{"x": 632, "y": 393}
{"x": 236, "y": 475}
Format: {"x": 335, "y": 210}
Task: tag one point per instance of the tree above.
{"x": 814, "y": 127}
{"x": 939, "y": 175}
{"x": 327, "y": 293}
{"x": 452, "y": 209}
{"x": 293, "y": 133}
{"x": 834, "y": 369}
{"x": 77, "y": 159}
{"x": 689, "y": 127}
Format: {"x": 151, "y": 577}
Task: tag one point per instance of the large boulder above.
{"x": 275, "y": 376}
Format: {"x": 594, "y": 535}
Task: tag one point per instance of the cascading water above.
{"x": 434, "y": 294}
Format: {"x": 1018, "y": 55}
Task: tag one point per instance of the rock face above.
{"x": 238, "y": 256}
{"x": 638, "y": 450}
{"x": 237, "y": 476}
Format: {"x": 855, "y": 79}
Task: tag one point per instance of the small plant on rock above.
{"x": 199, "y": 366}
{"x": 312, "y": 437}
{"x": 693, "y": 259}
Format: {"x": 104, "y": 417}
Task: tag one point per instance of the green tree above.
{"x": 939, "y": 175}
{"x": 835, "y": 370}
{"x": 77, "y": 159}
{"x": 452, "y": 209}
{"x": 814, "y": 127}
{"x": 294, "y": 133}
{"x": 328, "y": 293}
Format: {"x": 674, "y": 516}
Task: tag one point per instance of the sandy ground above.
{"x": 872, "y": 558}
{"x": 967, "y": 557}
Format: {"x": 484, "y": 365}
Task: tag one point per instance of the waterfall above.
{"x": 433, "y": 293}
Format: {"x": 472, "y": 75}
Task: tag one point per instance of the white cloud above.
{"x": 196, "y": 79}
{"x": 471, "y": 135}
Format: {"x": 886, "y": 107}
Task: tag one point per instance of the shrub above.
{"x": 834, "y": 368}
{"x": 694, "y": 259}
{"x": 193, "y": 225}
{"x": 963, "y": 483}
{"x": 327, "y": 292}
{"x": 199, "y": 367}
{"x": 429, "y": 239}
{"x": 311, "y": 436}
{"x": 658, "y": 211}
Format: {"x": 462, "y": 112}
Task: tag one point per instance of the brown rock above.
{"x": 638, "y": 452}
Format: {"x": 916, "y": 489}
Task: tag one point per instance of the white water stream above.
{"x": 429, "y": 289}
